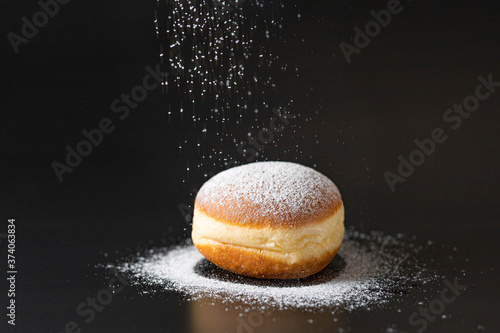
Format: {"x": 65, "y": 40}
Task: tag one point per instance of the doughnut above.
{"x": 269, "y": 220}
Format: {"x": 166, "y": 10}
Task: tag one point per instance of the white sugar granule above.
{"x": 368, "y": 270}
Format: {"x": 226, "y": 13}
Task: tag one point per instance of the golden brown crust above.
{"x": 269, "y": 194}
{"x": 251, "y": 216}
{"x": 255, "y": 263}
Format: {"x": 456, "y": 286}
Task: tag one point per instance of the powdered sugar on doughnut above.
{"x": 274, "y": 194}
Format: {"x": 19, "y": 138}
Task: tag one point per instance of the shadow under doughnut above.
{"x": 208, "y": 270}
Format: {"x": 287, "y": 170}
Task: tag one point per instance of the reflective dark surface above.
{"x": 353, "y": 122}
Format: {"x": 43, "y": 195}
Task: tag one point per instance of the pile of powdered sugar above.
{"x": 369, "y": 270}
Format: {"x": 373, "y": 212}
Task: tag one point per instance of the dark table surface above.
{"x": 354, "y": 120}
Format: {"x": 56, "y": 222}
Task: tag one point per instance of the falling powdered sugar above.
{"x": 369, "y": 270}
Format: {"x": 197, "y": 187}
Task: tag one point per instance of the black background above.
{"x": 354, "y": 120}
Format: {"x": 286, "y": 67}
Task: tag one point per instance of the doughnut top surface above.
{"x": 269, "y": 194}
